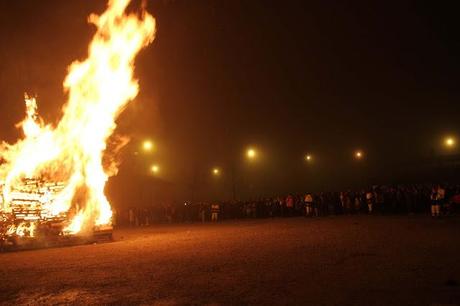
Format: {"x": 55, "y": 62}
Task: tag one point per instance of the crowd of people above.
{"x": 402, "y": 199}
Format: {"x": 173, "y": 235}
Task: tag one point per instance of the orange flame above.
{"x": 98, "y": 88}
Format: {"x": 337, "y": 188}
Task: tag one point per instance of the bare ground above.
{"x": 351, "y": 260}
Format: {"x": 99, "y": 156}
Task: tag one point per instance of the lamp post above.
{"x": 450, "y": 145}
{"x": 147, "y": 146}
{"x": 449, "y": 142}
{"x": 155, "y": 169}
{"x": 216, "y": 171}
{"x": 251, "y": 154}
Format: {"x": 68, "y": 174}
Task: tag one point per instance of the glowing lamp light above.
{"x": 358, "y": 154}
{"x": 251, "y": 153}
{"x": 155, "y": 169}
{"x": 449, "y": 142}
{"x": 216, "y": 171}
{"x": 308, "y": 157}
{"x": 147, "y": 146}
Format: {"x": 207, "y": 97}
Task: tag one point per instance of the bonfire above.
{"x": 52, "y": 179}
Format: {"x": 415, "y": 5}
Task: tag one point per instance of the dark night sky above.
{"x": 289, "y": 77}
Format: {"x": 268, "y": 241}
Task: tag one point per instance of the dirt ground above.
{"x": 349, "y": 260}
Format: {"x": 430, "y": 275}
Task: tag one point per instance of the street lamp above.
{"x": 155, "y": 169}
{"x": 251, "y": 153}
{"x": 147, "y": 145}
{"x": 358, "y": 154}
{"x": 308, "y": 158}
{"x": 216, "y": 171}
{"x": 449, "y": 142}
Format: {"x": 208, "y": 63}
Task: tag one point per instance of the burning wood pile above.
{"x": 53, "y": 179}
{"x": 29, "y": 215}
{"x": 30, "y": 219}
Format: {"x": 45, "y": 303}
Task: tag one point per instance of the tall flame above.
{"x": 72, "y": 151}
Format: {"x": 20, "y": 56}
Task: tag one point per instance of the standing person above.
{"x": 186, "y": 212}
{"x": 323, "y": 204}
{"x": 137, "y": 213}
{"x": 168, "y": 211}
{"x": 348, "y": 204}
{"x": 248, "y": 209}
{"x": 331, "y": 203}
{"x": 345, "y": 201}
{"x": 317, "y": 204}
{"x": 270, "y": 207}
{"x": 202, "y": 212}
{"x": 342, "y": 201}
{"x": 441, "y": 196}
{"x": 379, "y": 199}
{"x": 282, "y": 206}
{"x": 434, "y": 202}
{"x": 253, "y": 209}
{"x": 131, "y": 217}
{"x": 114, "y": 217}
{"x": 290, "y": 205}
{"x": 455, "y": 201}
{"x": 215, "y": 209}
{"x": 370, "y": 201}
{"x": 308, "y": 204}
{"x": 408, "y": 199}
{"x": 357, "y": 202}
{"x": 146, "y": 217}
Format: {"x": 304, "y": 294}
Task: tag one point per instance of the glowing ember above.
{"x": 66, "y": 159}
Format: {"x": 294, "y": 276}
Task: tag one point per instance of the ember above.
{"x": 52, "y": 180}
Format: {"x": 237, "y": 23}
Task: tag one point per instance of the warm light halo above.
{"x": 147, "y": 145}
{"x": 251, "y": 153}
{"x": 155, "y": 168}
{"x": 449, "y": 141}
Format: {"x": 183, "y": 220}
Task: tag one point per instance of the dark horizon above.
{"x": 286, "y": 77}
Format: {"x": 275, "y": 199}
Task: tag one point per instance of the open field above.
{"x": 351, "y": 260}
